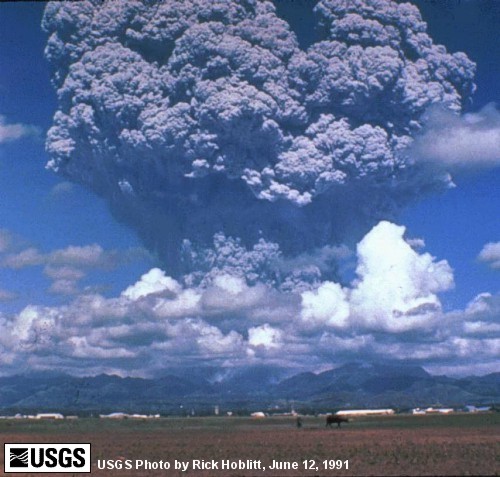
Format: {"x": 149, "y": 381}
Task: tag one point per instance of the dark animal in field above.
{"x": 331, "y": 419}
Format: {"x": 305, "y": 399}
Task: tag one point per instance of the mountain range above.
{"x": 198, "y": 391}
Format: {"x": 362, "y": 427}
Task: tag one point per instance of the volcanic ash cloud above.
{"x": 225, "y": 145}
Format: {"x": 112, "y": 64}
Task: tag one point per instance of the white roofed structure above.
{"x": 49, "y": 415}
{"x": 365, "y": 412}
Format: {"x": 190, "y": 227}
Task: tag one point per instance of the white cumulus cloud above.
{"x": 153, "y": 282}
{"x": 327, "y": 305}
{"x": 265, "y": 335}
{"x": 397, "y": 287}
{"x": 471, "y": 140}
{"x": 490, "y": 254}
{"x": 16, "y": 131}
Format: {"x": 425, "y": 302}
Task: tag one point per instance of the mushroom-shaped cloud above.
{"x": 199, "y": 118}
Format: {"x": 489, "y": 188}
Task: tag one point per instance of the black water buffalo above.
{"x": 332, "y": 419}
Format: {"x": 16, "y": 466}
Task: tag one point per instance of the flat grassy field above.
{"x": 458, "y": 444}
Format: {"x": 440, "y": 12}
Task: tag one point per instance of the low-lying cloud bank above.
{"x": 391, "y": 310}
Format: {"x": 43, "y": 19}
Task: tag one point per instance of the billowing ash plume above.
{"x": 204, "y": 121}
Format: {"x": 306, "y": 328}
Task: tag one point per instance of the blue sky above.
{"x": 34, "y": 209}
{"x": 458, "y": 223}
{"x": 59, "y": 220}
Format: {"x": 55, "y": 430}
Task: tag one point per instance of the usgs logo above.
{"x": 46, "y": 458}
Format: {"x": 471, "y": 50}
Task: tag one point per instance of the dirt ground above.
{"x": 414, "y": 445}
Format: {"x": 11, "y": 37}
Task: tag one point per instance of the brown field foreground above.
{"x": 458, "y": 444}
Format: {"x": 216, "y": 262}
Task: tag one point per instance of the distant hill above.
{"x": 198, "y": 391}
{"x": 355, "y": 378}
